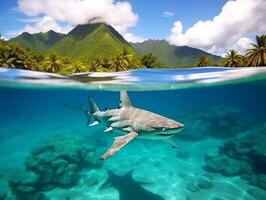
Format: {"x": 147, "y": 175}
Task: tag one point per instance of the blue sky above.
{"x": 212, "y": 25}
{"x": 151, "y": 23}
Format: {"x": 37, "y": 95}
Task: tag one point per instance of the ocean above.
{"x": 48, "y": 151}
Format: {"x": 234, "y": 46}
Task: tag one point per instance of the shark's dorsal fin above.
{"x": 93, "y": 107}
{"x": 124, "y": 99}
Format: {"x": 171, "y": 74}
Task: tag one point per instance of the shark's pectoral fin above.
{"x": 109, "y": 129}
{"x": 119, "y": 143}
{"x": 172, "y": 143}
{"x": 94, "y": 123}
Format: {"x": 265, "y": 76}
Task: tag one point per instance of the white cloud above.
{"x": 45, "y": 24}
{"x": 3, "y": 37}
{"x": 242, "y": 44}
{"x": 133, "y": 38}
{"x": 73, "y": 12}
{"x": 237, "y": 19}
{"x": 81, "y": 11}
{"x": 167, "y": 14}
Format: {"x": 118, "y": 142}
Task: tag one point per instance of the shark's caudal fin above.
{"x": 92, "y": 121}
{"x": 124, "y": 99}
{"x": 77, "y": 107}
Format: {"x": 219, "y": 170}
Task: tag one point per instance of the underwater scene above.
{"x": 208, "y": 135}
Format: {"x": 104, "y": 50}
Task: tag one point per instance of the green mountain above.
{"x": 90, "y": 41}
{"x": 170, "y": 54}
{"x": 38, "y": 41}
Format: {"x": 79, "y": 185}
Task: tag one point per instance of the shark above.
{"x": 131, "y": 123}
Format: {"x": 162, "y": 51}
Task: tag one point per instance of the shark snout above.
{"x": 175, "y": 130}
{"x": 166, "y": 131}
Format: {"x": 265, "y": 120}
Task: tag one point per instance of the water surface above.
{"x": 224, "y": 139}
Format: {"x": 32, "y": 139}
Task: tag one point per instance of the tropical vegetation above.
{"x": 233, "y": 59}
{"x": 13, "y": 56}
{"x": 256, "y": 56}
{"x": 203, "y": 61}
{"x": 149, "y": 60}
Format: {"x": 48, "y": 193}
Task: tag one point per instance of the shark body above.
{"x": 131, "y": 122}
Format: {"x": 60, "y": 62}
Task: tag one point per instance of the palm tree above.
{"x": 11, "y": 57}
{"x": 118, "y": 63}
{"x": 148, "y": 60}
{"x": 203, "y": 61}
{"x": 6, "y": 60}
{"x": 96, "y": 64}
{"x": 232, "y": 59}
{"x": 126, "y": 58}
{"x": 256, "y": 55}
{"x": 106, "y": 63}
{"x": 52, "y": 63}
{"x": 78, "y": 67}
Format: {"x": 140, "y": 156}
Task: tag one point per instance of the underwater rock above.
{"x": 262, "y": 181}
{"x": 243, "y": 155}
{"x": 219, "y": 122}
{"x": 56, "y": 162}
{"x": 41, "y": 196}
{"x": 3, "y": 195}
{"x": 250, "y": 146}
{"x": 257, "y": 193}
{"x": 192, "y": 187}
{"x": 24, "y": 180}
{"x": 24, "y": 185}
{"x": 226, "y": 165}
{"x": 204, "y": 184}
{"x": 250, "y": 178}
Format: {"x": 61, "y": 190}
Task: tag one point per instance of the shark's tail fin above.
{"x": 82, "y": 108}
{"x": 77, "y": 107}
{"x": 92, "y": 121}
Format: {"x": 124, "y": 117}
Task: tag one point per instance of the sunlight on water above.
{"x": 49, "y": 152}
{"x": 149, "y": 79}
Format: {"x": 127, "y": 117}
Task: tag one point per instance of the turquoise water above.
{"x": 49, "y": 152}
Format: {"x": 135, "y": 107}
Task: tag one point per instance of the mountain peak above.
{"x": 52, "y": 32}
{"x": 89, "y": 41}
{"x": 25, "y": 34}
{"x": 38, "y": 41}
{"x": 170, "y": 54}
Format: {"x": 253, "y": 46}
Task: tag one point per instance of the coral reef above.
{"x": 243, "y": 155}
{"x": 55, "y": 162}
{"x": 216, "y": 122}
{"x": 204, "y": 184}
{"x": 192, "y": 187}
{"x": 200, "y": 184}
{"x": 226, "y": 165}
